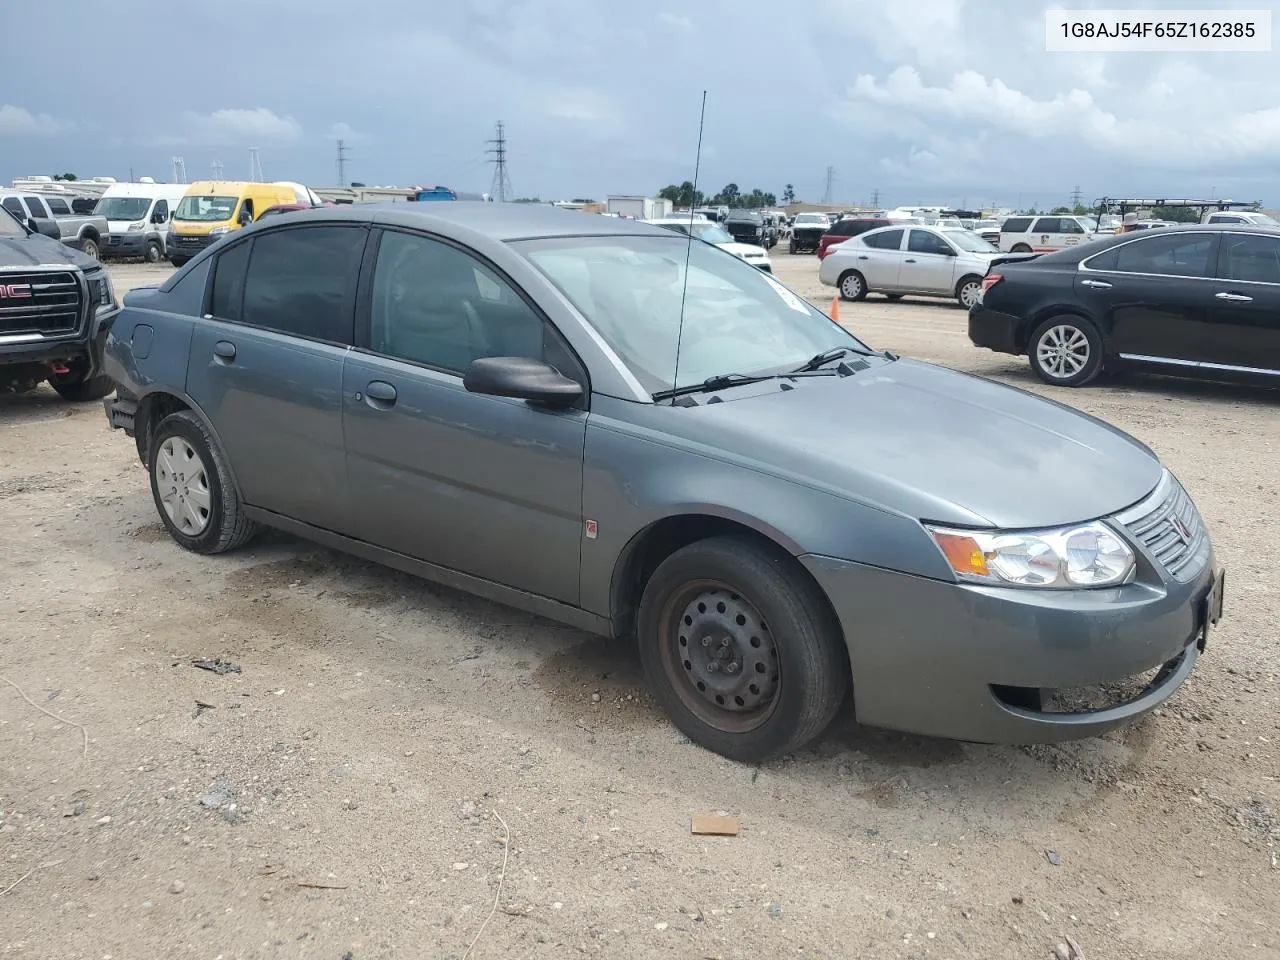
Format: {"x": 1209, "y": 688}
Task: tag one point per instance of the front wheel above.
{"x": 1065, "y": 351}
{"x": 791, "y": 247}
{"x": 1020, "y": 248}
{"x": 741, "y": 649}
{"x": 153, "y": 253}
{"x": 192, "y": 487}
{"x": 853, "y": 286}
{"x": 178, "y": 261}
{"x": 969, "y": 292}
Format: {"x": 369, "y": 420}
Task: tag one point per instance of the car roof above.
{"x": 498, "y": 221}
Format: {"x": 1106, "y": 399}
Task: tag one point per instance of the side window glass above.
{"x": 889, "y": 240}
{"x": 58, "y": 207}
{"x": 1070, "y": 226}
{"x": 37, "y": 208}
{"x": 436, "y": 305}
{"x": 922, "y": 241}
{"x": 1180, "y": 255}
{"x": 227, "y": 301}
{"x": 14, "y": 206}
{"x": 1252, "y": 258}
{"x": 1046, "y": 225}
{"x": 303, "y": 280}
{"x": 186, "y": 296}
{"x": 162, "y": 211}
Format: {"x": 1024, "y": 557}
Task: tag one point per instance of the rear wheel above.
{"x": 853, "y": 286}
{"x": 89, "y": 247}
{"x": 741, "y": 649}
{"x": 1065, "y": 351}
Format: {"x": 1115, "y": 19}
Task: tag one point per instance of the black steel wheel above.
{"x": 741, "y": 648}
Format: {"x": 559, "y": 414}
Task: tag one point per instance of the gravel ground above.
{"x": 388, "y": 745}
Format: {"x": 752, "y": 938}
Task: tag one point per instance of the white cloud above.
{"x": 20, "y": 122}
{"x": 344, "y": 131}
{"x": 233, "y": 127}
{"x": 676, "y": 20}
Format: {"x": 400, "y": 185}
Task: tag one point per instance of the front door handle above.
{"x": 380, "y": 394}
{"x": 908, "y": 261}
{"x": 1234, "y": 297}
{"x": 1096, "y": 283}
{"x": 863, "y": 256}
{"x": 224, "y": 350}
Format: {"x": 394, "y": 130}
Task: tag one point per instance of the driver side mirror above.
{"x": 159, "y": 217}
{"x": 246, "y": 217}
{"x": 523, "y": 379}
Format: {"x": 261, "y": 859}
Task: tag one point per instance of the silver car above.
{"x": 616, "y": 427}
{"x": 919, "y": 260}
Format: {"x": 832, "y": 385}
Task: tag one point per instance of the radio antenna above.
{"x": 688, "y": 251}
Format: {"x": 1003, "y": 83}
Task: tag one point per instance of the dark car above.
{"x": 749, "y": 226}
{"x": 849, "y": 227}
{"x": 1200, "y": 301}
{"x": 599, "y": 421}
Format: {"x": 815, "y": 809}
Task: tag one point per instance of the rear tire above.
{"x": 741, "y": 649}
{"x": 89, "y": 247}
{"x": 852, "y": 286}
{"x": 1065, "y": 351}
{"x": 192, "y": 487}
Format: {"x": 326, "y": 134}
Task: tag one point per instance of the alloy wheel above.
{"x": 1063, "y": 351}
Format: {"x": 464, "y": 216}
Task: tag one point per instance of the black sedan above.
{"x": 1188, "y": 301}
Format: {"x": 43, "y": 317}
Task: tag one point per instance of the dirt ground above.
{"x": 348, "y": 792}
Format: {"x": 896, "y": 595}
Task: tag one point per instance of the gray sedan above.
{"x": 603, "y": 423}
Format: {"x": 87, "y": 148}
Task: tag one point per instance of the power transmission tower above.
{"x": 875, "y": 199}
{"x": 1075, "y": 197}
{"x": 500, "y": 190}
{"x": 342, "y": 163}
{"x": 217, "y": 169}
{"x": 255, "y": 165}
{"x": 178, "y": 170}
{"x": 826, "y": 194}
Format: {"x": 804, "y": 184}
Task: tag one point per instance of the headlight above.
{"x": 100, "y": 289}
{"x": 219, "y": 231}
{"x": 1088, "y": 555}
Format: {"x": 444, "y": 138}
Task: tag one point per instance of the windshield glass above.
{"x": 737, "y": 319}
{"x": 9, "y": 225}
{"x": 1263, "y": 219}
{"x": 811, "y": 218}
{"x": 968, "y": 241}
{"x": 207, "y": 209}
{"x": 123, "y": 208}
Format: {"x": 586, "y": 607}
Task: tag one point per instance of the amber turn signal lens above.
{"x": 963, "y": 553}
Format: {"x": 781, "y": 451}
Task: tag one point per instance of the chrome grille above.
{"x": 46, "y": 303}
{"x": 1168, "y": 524}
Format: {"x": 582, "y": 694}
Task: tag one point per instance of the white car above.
{"x": 919, "y": 260}
{"x": 1240, "y": 216}
{"x": 1044, "y": 234}
{"x": 710, "y": 232}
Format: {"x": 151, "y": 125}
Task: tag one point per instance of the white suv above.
{"x": 1240, "y": 216}
{"x": 1044, "y": 234}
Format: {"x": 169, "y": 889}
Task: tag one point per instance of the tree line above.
{"x": 684, "y": 195}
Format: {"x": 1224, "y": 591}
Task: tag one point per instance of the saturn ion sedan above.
{"x": 611, "y": 425}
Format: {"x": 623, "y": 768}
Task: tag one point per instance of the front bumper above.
{"x": 185, "y": 246}
{"x": 806, "y": 241}
{"x": 950, "y": 660}
{"x": 993, "y": 329}
{"x": 125, "y": 244}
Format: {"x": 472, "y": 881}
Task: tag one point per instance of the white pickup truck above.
{"x": 83, "y": 233}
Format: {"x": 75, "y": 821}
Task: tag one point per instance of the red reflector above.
{"x": 59, "y": 369}
{"x": 990, "y": 280}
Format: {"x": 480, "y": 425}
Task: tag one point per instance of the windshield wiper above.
{"x": 821, "y": 359}
{"x": 719, "y": 382}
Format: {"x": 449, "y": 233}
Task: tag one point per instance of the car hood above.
{"x": 934, "y": 444}
{"x": 38, "y": 250}
{"x": 743, "y": 250}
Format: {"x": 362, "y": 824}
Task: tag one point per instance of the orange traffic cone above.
{"x": 835, "y": 309}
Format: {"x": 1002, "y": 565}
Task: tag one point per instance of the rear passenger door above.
{"x": 1246, "y": 305}
{"x": 265, "y": 365}
{"x": 879, "y": 258}
{"x": 488, "y": 486}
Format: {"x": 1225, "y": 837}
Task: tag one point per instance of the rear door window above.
{"x": 227, "y": 301}
{"x": 888, "y": 240}
{"x": 1015, "y": 225}
{"x": 1176, "y": 255}
{"x": 37, "y": 207}
{"x": 1251, "y": 258}
{"x": 302, "y": 281}
{"x": 1048, "y": 225}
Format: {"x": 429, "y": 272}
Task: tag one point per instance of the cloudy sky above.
{"x": 922, "y": 100}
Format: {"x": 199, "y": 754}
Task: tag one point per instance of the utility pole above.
{"x": 342, "y": 163}
{"x": 1075, "y": 197}
{"x": 255, "y": 165}
{"x": 826, "y": 194}
{"x": 500, "y": 190}
{"x": 875, "y": 199}
{"x": 216, "y": 166}
{"x": 179, "y": 170}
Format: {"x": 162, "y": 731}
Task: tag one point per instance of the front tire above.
{"x": 178, "y": 261}
{"x": 1065, "y": 351}
{"x": 153, "y": 253}
{"x": 791, "y": 247}
{"x": 192, "y": 487}
{"x": 1020, "y": 248}
{"x": 741, "y": 649}
{"x": 852, "y": 286}
{"x": 969, "y": 291}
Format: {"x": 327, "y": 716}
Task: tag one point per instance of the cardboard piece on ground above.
{"x": 711, "y": 824}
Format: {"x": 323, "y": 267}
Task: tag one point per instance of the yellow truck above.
{"x": 211, "y": 209}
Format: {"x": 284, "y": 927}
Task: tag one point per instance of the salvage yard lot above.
{"x": 384, "y": 736}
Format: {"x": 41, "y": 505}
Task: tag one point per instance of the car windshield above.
{"x": 123, "y": 208}
{"x": 9, "y": 225}
{"x": 968, "y": 241}
{"x": 1263, "y": 220}
{"x": 211, "y": 209}
{"x": 811, "y": 218}
{"x": 737, "y": 319}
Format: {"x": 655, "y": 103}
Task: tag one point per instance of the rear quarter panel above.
{"x": 1035, "y": 291}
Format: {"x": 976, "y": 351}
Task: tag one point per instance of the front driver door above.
{"x": 487, "y": 486}
{"x": 1246, "y": 304}
{"x": 929, "y": 263}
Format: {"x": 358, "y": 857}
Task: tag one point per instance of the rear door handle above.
{"x": 908, "y": 261}
{"x": 1096, "y": 283}
{"x": 1234, "y": 297}
{"x": 863, "y": 256}
{"x": 224, "y": 350}
{"x": 380, "y": 394}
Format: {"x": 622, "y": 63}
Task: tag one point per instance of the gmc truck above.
{"x": 56, "y": 305}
